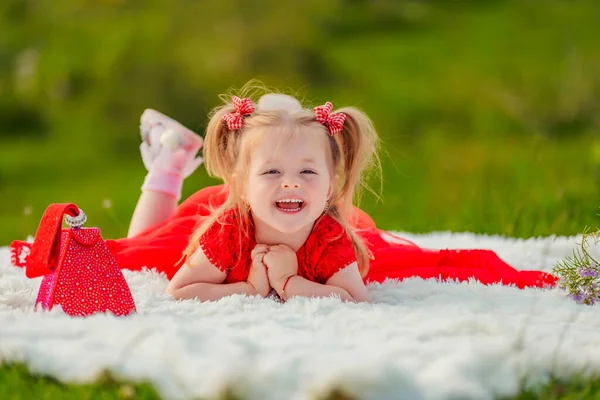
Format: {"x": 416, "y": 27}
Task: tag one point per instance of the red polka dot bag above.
{"x": 79, "y": 272}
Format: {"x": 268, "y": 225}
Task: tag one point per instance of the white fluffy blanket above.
{"x": 419, "y": 340}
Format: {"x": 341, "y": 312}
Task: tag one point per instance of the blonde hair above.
{"x": 227, "y": 156}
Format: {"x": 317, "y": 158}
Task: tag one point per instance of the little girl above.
{"x": 283, "y": 220}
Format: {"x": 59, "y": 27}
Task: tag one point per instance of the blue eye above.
{"x": 271, "y": 171}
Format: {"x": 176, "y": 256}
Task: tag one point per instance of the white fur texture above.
{"x": 419, "y": 340}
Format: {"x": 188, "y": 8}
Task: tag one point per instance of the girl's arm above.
{"x": 152, "y": 207}
{"x": 212, "y": 291}
{"x": 198, "y": 278}
{"x": 299, "y": 286}
{"x": 347, "y": 283}
{"x": 349, "y": 279}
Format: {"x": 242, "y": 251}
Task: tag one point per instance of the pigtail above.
{"x": 219, "y": 149}
{"x": 356, "y": 146}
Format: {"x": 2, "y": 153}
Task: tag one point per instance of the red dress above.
{"x": 327, "y": 250}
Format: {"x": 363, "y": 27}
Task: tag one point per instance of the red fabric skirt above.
{"x": 160, "y": 247}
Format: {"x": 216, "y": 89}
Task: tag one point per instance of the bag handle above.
{"x": 43, "y": 258}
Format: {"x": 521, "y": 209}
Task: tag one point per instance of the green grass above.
{"x": 488, "y": 115}
{"x": 16, "y": 383}
{"x": 577, "y": 389}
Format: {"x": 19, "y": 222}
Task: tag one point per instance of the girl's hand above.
{"x": 258, "y": 277}
{"x": 281, "y": 263}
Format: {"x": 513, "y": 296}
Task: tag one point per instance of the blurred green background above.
{"x": 489, "y": 110}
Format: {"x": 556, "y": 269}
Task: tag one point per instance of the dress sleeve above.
{"x": 218, "y": 242}
{"x": 329, "y": 251}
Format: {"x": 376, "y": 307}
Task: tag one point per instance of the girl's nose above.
{"x": 288, "y": 185}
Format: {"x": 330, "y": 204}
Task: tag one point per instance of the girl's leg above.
{"x": 169, "y": 154}
{"x": 152, "y": 208}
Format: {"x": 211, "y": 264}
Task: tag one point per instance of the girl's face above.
{"x": 289, "y": 180}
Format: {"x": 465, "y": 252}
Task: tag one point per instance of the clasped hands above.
{"x": 272, "y": 265}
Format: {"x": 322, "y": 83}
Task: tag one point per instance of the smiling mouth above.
{"x": 290, "y": 205}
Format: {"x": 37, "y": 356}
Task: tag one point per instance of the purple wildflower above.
{"x": 577, "y": 297}
{"x": 593, "y": 292}
{"x": 595, "y": 269}
{"x": 588, "y": 272}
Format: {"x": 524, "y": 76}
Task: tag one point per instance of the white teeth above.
{"x": 298, "y": 201}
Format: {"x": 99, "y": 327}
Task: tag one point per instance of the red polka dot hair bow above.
{"x": 243, "y": 107}
{"x": 333, "y": 122}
